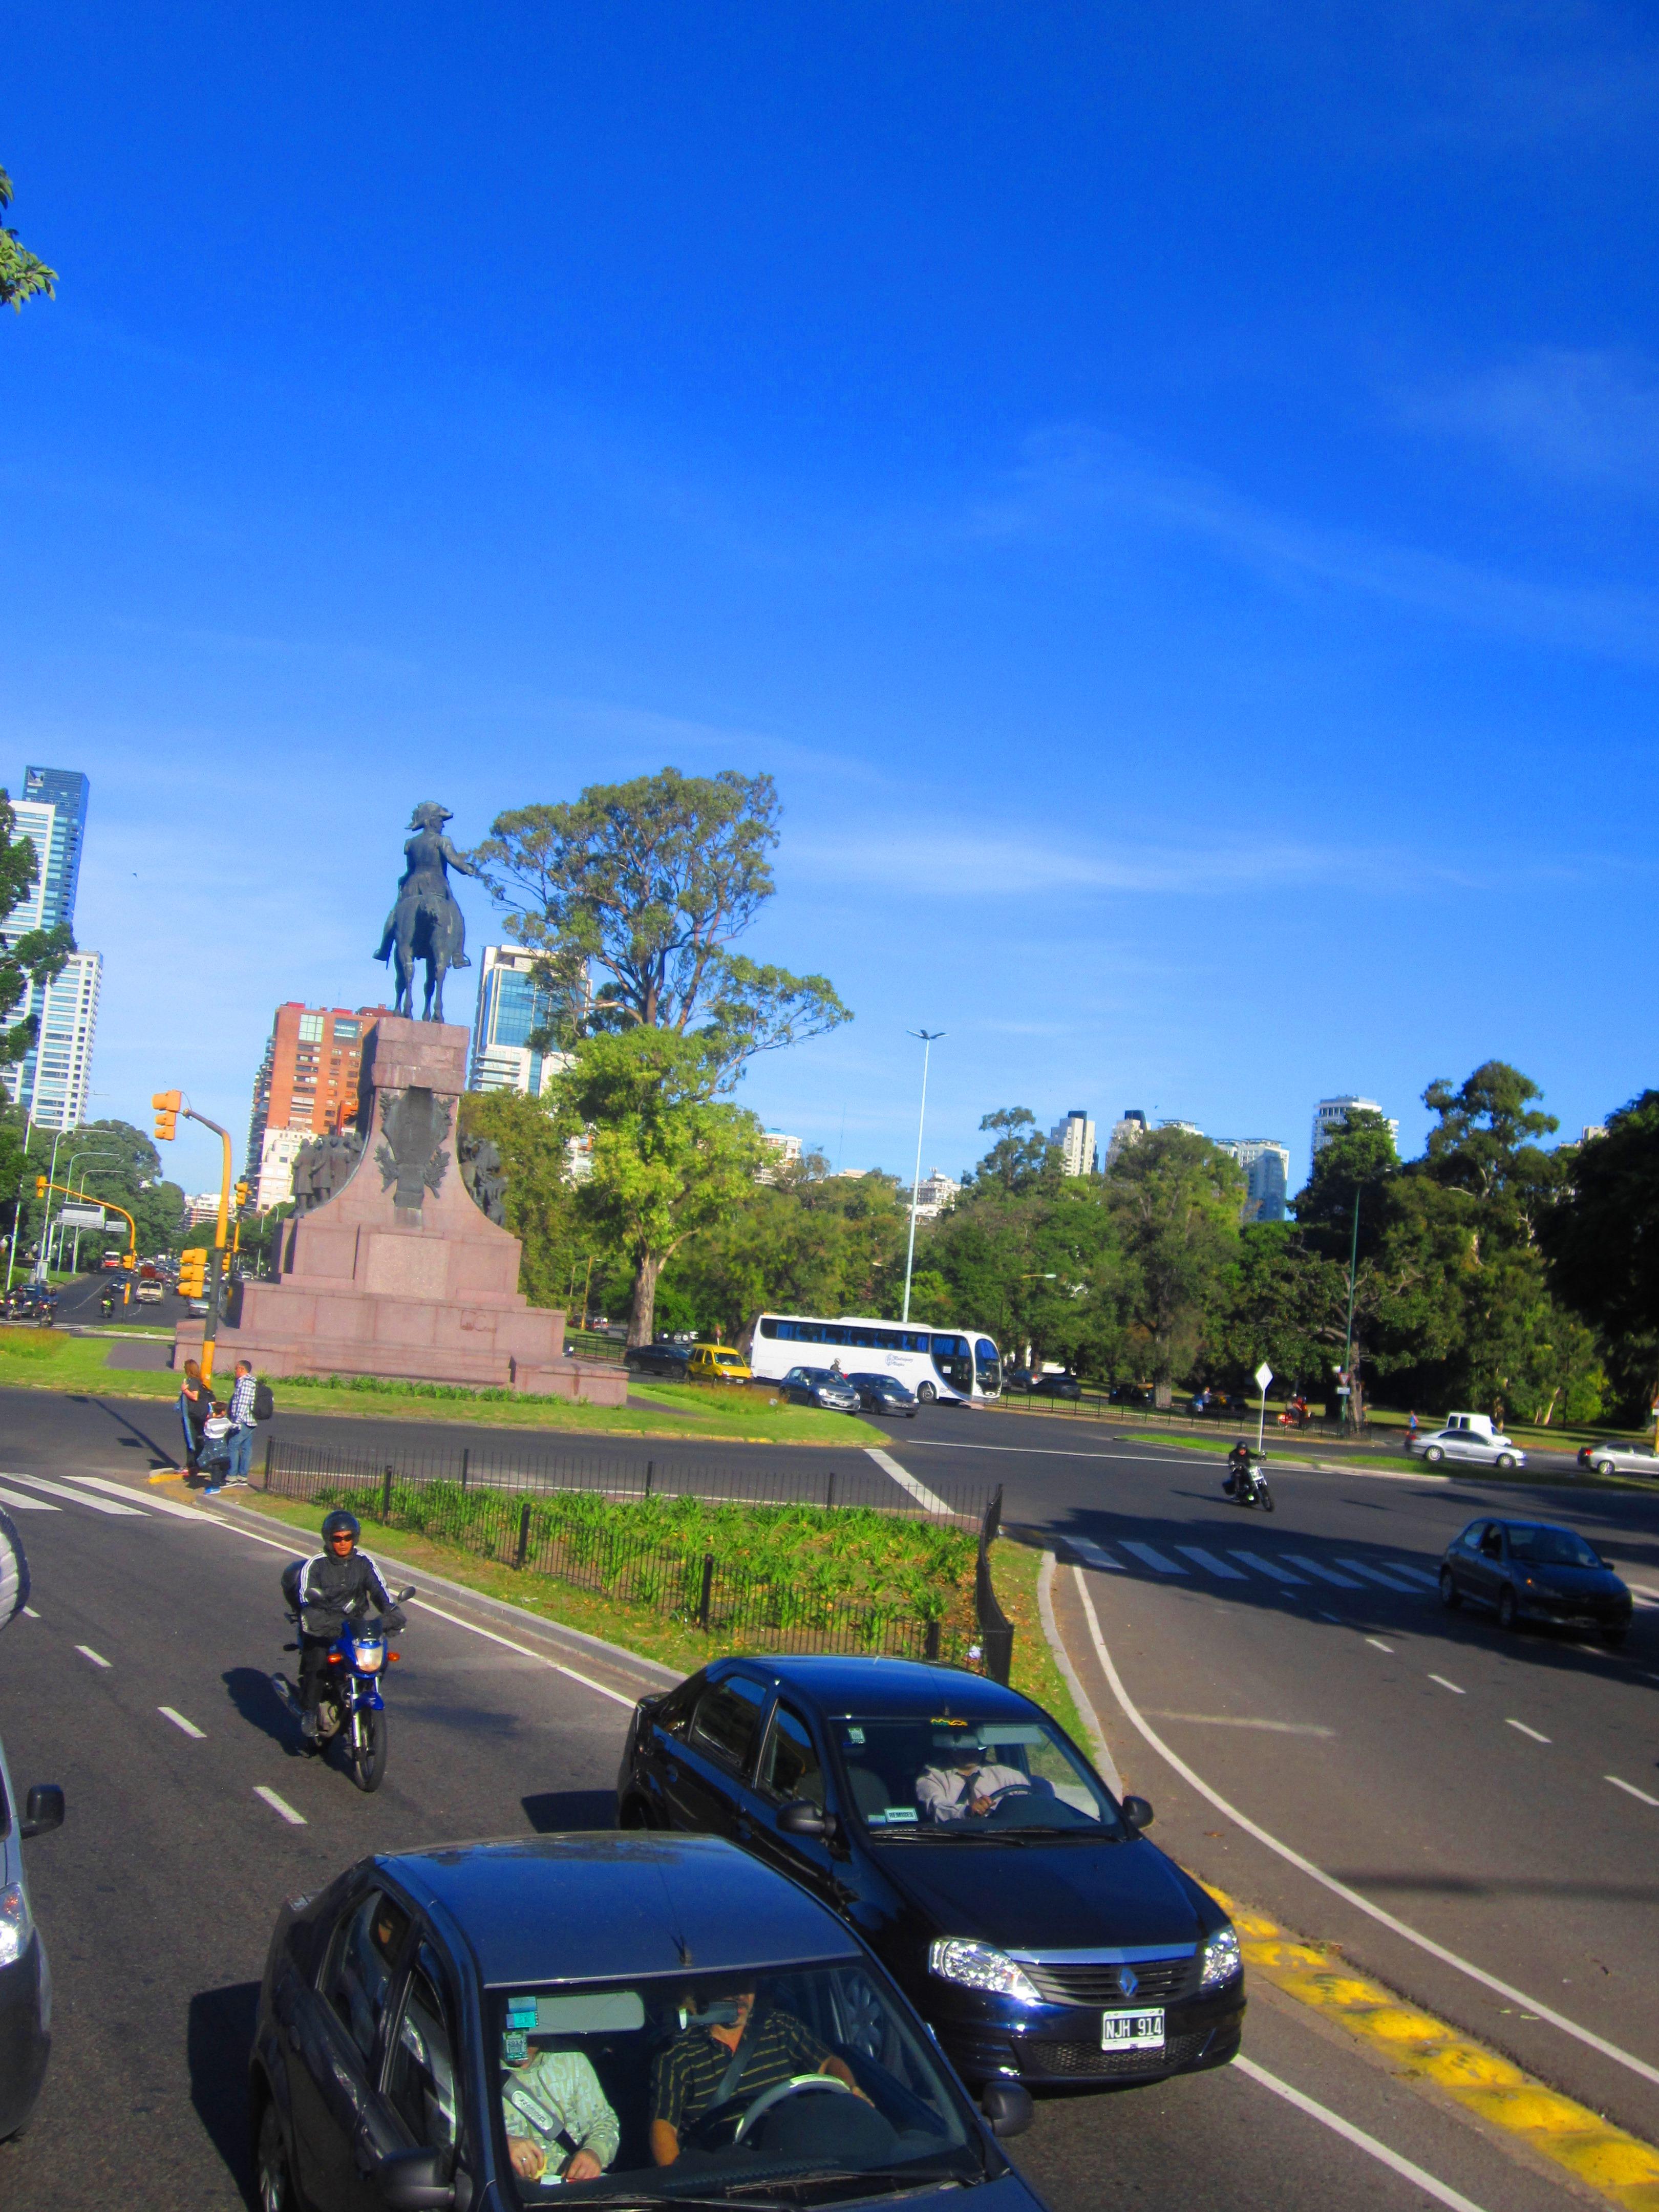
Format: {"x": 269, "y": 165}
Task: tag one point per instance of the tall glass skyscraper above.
{"x": 53, "y": 1081}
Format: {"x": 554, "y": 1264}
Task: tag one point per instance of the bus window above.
{"x": 954, "y": 1363}
{"x": 988, "y": 1368}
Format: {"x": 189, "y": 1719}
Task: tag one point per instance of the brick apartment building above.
{"x": 306, "y": 1086}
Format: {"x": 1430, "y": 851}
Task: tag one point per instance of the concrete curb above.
{"x": 1098, "y": 1743}
{"x": 574, "y": 1641}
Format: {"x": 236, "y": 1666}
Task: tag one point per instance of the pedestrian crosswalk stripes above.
{"x": 1285, "y": 1570}
{"x": 16, "y": 1502}
{"x": 50, "y": 1488}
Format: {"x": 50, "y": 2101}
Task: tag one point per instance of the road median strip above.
{"x": 1417, "y": 2045}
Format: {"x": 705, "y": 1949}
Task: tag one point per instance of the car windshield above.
{"x": 809, "y": 2080}
{"x": 1552, "y": 1547}
{"x": 969, "y": 1779}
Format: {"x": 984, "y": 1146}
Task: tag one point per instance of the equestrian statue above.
{"x": 426, "y": 923}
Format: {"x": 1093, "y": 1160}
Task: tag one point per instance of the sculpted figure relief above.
{"x": 426, "y": 923}
{"x": 325, "y": 1166}
{"x": 483, "y": 1175}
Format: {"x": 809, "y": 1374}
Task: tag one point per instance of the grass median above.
{"x": 51, "y": 1359}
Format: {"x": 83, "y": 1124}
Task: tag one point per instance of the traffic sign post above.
{"x": 1264, "y": 1375}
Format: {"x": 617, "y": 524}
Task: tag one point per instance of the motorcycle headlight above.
{"x": 979, "y": 1966}
{"x": 367, "y": 1657}
{"x": 16, "y": 1926}
{"x": 1220, "y": 1959}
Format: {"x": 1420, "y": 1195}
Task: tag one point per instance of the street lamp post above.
{"x": 1347, "y": 1346}
{"x": 929, "y": 1039}
{"x": 86, "y": 1152}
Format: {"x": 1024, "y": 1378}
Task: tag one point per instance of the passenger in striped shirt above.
{"x": 240, "y": 1439}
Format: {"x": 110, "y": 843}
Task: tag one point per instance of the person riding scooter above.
{"x": 340, "y": 1584}
{"x": 1238, "y": 1463}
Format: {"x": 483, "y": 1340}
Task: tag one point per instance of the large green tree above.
{"x": 669, "y": 1158}
{"x": 22, "y": 274}
{"x": 541, "y": 1206}
{"x": 1175, "y": 1201}
{"x": 1600, "y": 1237}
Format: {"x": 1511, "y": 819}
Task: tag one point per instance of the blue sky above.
{"x": 1169, "y": 493}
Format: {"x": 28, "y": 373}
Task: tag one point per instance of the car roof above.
{"x": 899, "y": 1688}
{"x": 600, "y": 1906}
{"x": 1555, "y": 1527}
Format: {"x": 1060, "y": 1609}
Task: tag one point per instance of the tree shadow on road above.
{"x": 555, "y": 1812}
{"x": 218, "y": 2039}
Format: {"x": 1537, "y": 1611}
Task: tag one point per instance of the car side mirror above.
{"x": 1137, "y": 1814}
{"x": 1007, "y": 2108}
{"x": 407, "y": 2181}
{"x": 43, "y": 1810}
{"x": 802, "y": 1818}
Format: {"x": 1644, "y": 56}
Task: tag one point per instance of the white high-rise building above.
{"x": 53, "y": 1081}
{"x": 1075, "y": 1136}
{"x": 1267, "y": 1165}
{"x": 67, "y": 1010}
{"x": 1330, "y": 1114}
{"x": 512, "y": 1008}
{"x": 936, "y": 1194}
{"x": 1126, "y": 1131}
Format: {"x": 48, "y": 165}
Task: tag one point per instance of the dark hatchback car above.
{"x": 1038, "y": 1931}
{"x": 1533, "y": 1570}
{"x": 492, "y": 2026}
{"x": 820, "y": 1387}
{"x": 885, "y": 1393}
{"x": 670, "y": 1361}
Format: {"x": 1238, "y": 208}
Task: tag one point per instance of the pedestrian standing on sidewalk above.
{"x": 194, "y": 1406}
{"x": 1411, "y": 1428}
{"x": 240, "y": 1410}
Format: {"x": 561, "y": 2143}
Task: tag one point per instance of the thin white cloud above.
{"x": 1574, "y": 416}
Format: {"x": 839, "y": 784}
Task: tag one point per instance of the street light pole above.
{"x": 1347, "y": 1346}
{"x": 929, "y": 1039}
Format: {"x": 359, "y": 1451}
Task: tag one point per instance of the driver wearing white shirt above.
{"x": 963, "y": 1785}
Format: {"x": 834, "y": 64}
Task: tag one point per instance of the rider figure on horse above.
{"x": 426, "y": 923}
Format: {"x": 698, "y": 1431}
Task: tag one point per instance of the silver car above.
{"x": 1622, "y": 1459}
{"x": 1470, "y": 1440}
{"x": 818, "y": 1386}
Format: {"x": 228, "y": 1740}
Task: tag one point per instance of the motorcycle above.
{"x": 1247, "y": 1485}
{"x": 351, "y": 1710}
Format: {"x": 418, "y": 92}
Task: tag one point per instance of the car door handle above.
{"x": 673, "y": 1774}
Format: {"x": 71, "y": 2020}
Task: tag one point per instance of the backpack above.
{"x": 265, "y": 1405}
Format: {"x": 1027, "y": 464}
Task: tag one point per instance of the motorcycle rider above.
{"x": 1238, "y": 1465}
{"x": 339, "y": 1584}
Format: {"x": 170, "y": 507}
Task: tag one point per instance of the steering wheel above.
{"x": 993, "y": 1797}
{"x": 798, "y": 2085}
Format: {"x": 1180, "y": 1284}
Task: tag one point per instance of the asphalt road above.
{"x": 157, "y": 1898}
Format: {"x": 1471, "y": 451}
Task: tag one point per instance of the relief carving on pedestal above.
{"x": 413, "y": 1125}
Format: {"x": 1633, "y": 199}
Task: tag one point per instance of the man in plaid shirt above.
{"x": 240, "y": 1410}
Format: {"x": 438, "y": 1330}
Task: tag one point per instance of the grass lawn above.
{"x": 51, "y": 1359}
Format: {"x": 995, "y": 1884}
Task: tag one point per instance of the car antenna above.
{"x": 680, "y": 1943}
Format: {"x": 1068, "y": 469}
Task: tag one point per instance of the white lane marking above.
{"x": 76, "y": 1496}
{"x": 1271, "y": 1568}
{"x": 31, "y": 1613}
{"x": 1441, "y": 2191}
{"x": 1641, "y": 1590}
{"x": 927, "y": 1499}
{"x": 19, "y": 1503}
{"x": 1209, "y": 1564}
{"x": 1525, "y": 1730}
{"x": 166, "y": 1506}
{"x": 1095, "y": 1554}
{"x": 1232, "y": 1720}
{"x": 280, "y": 1806}
{"x": 1152, "y": 1557}
{"x": 1630, "y": 1790}
{"x": 1445, "y": 1684}
{"x": 1377, "y": 1644}
{"x": 1388, "y": 1580}
{"x": 1325, "y": 1574}
{"x": 616, "y": 1697}
{"x": 1361, "y": 1904}
{"x": 1419, "y": 1575}
{"x": 96, "y": 1657}
{"x": 187, "y": 1727}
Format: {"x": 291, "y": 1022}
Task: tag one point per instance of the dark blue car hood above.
{"x": 1573, "y": 1582}
{"x": 1050, "y": 1897}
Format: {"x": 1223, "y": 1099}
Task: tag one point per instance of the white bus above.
{"x": 953, "y": 1365}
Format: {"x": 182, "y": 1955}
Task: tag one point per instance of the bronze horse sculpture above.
{"x": 426, "y": 924}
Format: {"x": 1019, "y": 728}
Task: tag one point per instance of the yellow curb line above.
{"x": 1618, "y": 2165}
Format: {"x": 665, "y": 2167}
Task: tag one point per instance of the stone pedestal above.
{"x": 399, "y": 1273}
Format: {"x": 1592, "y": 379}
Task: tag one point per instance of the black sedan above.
{"x": 1011, "y": 1898}
{"x": 669, "y": 1361}
{"x": 821, "y": 1387}
{"x": 1533, "y": 1570}
{"x": 885, "y": 1393}
{"x": 600, "y": 2017}
{"x": 1051, "y": 1385}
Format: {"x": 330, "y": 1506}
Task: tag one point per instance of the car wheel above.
{"x": 1433, "y": 1455}
{"x": 926, "y": 1393}
{"x": 1506, "y": 1607}
{"x": 1506, "y": 1462}
{"x": 1606, "y": 1467}
{"x": 272, "y": 2180}
{"x": 1450, "y": 1596}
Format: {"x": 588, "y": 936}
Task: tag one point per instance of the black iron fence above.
{"x": 518, "y": 1522}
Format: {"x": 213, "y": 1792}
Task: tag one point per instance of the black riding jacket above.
{"x": 322, "y": 1591}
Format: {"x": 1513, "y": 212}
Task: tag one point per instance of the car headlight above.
{"x": 16, "y": 1926}
{"x": 1221, "y": 1959}
{"x": 979, "y": 1966}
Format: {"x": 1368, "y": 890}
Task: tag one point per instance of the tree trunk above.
{"x": 642, "y": 1313}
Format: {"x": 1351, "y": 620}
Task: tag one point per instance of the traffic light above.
{"x": 39, "y": 1186}
{"x": 167, "y": 1104}
{"x": 193, "y": 1272}
{"x": 241, "y": 1194}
